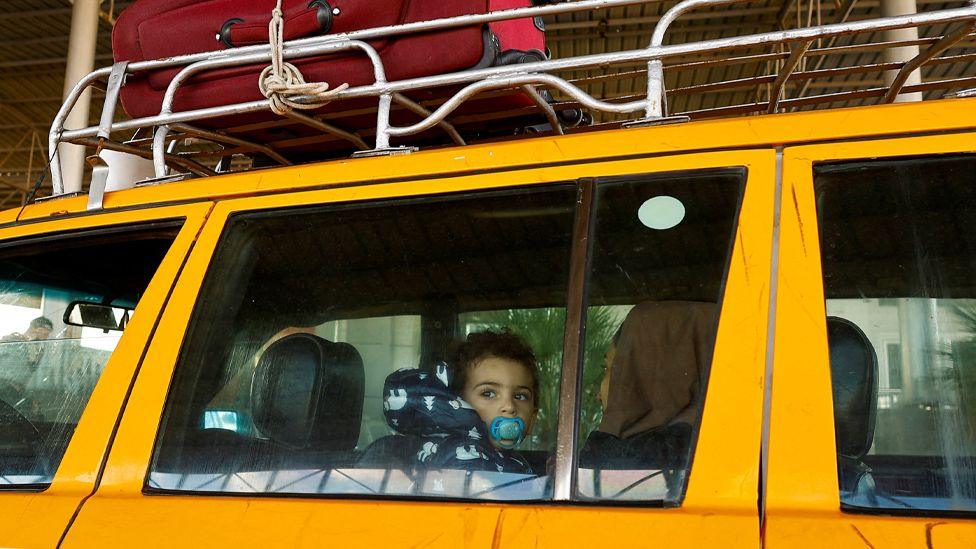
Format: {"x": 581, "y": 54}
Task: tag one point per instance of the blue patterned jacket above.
{"x": 449, "y": 433}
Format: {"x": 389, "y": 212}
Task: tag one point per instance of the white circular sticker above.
{"x": 661, "y": 212}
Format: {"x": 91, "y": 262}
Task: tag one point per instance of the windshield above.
{"x": 48, "y": 368}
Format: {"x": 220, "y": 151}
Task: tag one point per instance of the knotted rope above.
{"x": 280, "y": 81}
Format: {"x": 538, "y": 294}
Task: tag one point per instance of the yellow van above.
{"x": 781, "y": 311}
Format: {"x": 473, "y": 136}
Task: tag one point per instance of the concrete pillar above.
{"x": 81, "y": 61}
{"x": 891, "y": 8}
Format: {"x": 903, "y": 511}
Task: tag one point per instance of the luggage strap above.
{"x": 280, "y": 81}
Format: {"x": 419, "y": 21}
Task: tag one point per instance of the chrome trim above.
{"x": 420, "y": 110}
{"x": 99, "y": 179}
{"x": 574, "y": 335}
{"x": 116, "y": 80}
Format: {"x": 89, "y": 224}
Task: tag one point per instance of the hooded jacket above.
{"x": 446, "y": 431}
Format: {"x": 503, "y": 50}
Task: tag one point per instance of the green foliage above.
{"x": 543, "y": 330}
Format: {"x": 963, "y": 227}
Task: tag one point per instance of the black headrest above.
{"x": 307, "y": 393}
{"x": 854, "y": 377}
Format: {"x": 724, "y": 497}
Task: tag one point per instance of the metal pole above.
{"x": 891, "y": 8}
{"x": 81, "y": 61}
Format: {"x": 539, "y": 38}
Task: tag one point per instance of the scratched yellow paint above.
{"x": 803, "y": 502}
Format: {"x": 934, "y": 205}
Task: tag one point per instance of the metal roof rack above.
{"x": 525, "y": 78}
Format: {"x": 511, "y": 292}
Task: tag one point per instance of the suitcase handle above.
{"x": 315, "y": 19}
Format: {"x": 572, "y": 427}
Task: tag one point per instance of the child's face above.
{"x": 500, "y": 387}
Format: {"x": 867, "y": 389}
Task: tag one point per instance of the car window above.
{"x": 661, "y": 247}
{"x": 899, "y": 262}
{"x": 322, "y": 355}
{"x": 64, "y": 304}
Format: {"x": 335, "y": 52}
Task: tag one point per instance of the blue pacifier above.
{"x": 507, "y": 431}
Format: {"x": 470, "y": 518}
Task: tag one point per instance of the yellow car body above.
{"x": 764, "y": 470}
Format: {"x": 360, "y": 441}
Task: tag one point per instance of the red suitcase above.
{"x": 152, "y": 29}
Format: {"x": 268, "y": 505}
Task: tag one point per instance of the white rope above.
{"x": 281, "y": 81}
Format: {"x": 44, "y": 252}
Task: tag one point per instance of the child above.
{"x": 473, "y": 416}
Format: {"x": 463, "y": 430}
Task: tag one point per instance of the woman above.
{"x": 652, "y": 389}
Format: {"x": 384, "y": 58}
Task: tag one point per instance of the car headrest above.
{"x": 854, "y": 379}
{"x": 307, "y": 393}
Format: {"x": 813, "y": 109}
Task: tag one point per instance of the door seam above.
{"x": 770, "y": 345}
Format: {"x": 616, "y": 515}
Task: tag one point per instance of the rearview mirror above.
{"x": 96, "y": 315}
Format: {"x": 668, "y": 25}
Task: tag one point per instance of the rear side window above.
{"x": 899, "y": 264}
{"x": 316, "y": 363}
{"x": 660, "y": 250}
{"x": 64, "y": 304}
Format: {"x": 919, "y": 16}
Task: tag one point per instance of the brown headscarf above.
{"x": 656, "y": 377}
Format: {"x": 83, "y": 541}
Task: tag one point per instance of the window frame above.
{"x": 592, "y": 229}
{"x": 197, "y": 319}
{"x": 725, "y": 477}
{"x": 802, "y": 491}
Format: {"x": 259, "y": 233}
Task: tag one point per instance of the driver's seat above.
{"x": 307, "y": 399}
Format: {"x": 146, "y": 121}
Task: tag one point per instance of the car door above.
{"x": 64, "y": 385}
{"x": 357, "y": 271}
{"x": 871, "y": 430}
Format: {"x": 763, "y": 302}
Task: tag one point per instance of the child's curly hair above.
{"x": 481, "y": 345}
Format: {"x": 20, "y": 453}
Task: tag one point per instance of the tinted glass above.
{"x": 311, "y": 366}
{"x": 899, "y": 262}
{"x": 48, "y": 369}
{"x": 661, "y": 248}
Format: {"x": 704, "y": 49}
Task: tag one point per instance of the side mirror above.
{"x": 96, "y": 315}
